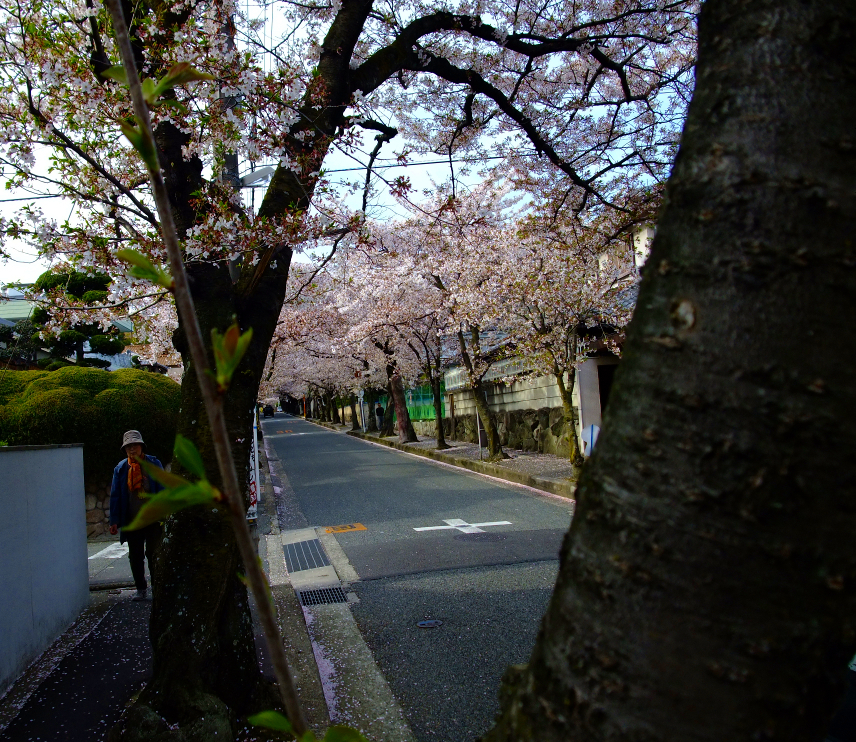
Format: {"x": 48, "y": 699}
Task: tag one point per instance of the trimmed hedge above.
{"x": 90, "y": 406}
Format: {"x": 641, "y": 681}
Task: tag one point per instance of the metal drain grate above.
{"x": 305, "y": 555}
{"x": 322, "y": 596}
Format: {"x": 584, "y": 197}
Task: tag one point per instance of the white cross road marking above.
{"x": 114, "y": 551}
{"x": 463, "y": 526}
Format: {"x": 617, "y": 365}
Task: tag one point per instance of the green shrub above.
{"x": 13, "y": 383}
{"x": 56, "y": 365}
{"x": 90, "y": 406}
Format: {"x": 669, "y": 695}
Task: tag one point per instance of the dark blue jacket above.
{"x": 120, "y": 496}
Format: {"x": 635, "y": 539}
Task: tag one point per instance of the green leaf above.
{"x": 148, "y": 86}
{"x": 271, "y": 720}
{"x": 229, "y": 349}
{"x": 143, "y": 268}
{"x": 166, "y": 478}
{"x": 143, "y": 143}
{"x": 116, "y": 73}
{"x": 179, "y": 74}
{"x": 169, "y": 501}
{"x": 188, "y": 456}
{"x": 339, "y": 733}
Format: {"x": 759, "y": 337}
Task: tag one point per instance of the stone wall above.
{"x": 98, "y": 507}
{"x": 542, "y": 431}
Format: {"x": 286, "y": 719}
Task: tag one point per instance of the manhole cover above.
{"x": 480, "y": 537}
{"x": 430, "y": 624}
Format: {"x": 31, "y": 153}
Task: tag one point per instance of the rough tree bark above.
{"x": 205, "y": 674}
{"x": 707, "y": 588}
{"x": 205, "y": 671}
{"x": 386, "y": 429}
{"x": 406, "y": 433}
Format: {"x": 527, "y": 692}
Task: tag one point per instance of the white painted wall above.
{"x": 44, "y": 575}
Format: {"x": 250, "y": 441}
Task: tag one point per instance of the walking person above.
{"x": 131, "y": 486}
{"x": 379, "y": 415}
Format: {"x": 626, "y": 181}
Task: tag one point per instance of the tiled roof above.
{"x": 15, "y": 308}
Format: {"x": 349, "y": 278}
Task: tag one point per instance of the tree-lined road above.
{"x": 488, "y": 584}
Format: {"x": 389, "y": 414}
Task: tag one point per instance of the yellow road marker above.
{"x": 345, "y": 528}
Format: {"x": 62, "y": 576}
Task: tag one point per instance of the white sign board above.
{"x": 589, "y": 439}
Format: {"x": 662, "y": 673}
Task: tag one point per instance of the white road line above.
{"x": 464, "y": 527}
{"x": 114, "y": 551}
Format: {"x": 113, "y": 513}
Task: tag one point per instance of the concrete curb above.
{"x": 114, "y": 585}
{"x": 560, "y": 487}
{"x": 334, "y": 669}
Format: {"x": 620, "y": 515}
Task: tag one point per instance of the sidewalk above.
{"x": 541, "y": 471}
{"x": 76, "y": 690}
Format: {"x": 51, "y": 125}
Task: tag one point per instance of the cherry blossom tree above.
{"x": 583, "y": 100}
{"x": 562, "y": 291}
{"x": 707, "y": 586}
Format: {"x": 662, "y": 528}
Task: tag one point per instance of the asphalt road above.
{"x": 489, "y": 588}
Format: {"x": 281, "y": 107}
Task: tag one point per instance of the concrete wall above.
{"x": 540, "y": 393}
{"x": 44, "y": 575}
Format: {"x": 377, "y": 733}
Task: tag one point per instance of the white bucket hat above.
{"x": 132, "y": 436}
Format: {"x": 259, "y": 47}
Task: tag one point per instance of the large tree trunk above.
{"x": 205, "y": 671}
{"x": 707, "y": 588}
{"x": 566, "y": 391}
{"x": 406, "y": 433}
{"x": 334, "y": 409}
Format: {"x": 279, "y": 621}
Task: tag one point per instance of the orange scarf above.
{"x": 135, "y": 477}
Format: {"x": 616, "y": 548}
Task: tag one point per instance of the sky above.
{"x": 25, "y": 267}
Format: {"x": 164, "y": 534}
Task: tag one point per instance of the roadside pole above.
{"x": 478, "y": 432}
{"x": 252, "y": 510}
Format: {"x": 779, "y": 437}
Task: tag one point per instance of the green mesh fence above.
{"x": 420, "y": 402}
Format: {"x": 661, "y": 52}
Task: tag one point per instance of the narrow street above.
{"x": 425, "y": 542}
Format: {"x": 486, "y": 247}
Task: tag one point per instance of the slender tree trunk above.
{"x": 707, "y": 588}
{"x": 438, "y": 413}
{"x": 388, "y": 414}
{"x": 480, "y": 398}
{"x": 406, "y": 433}
{"x": 567, "y": 392}
{"x": 355, "y": 421}
{"x": 488, "y": 422}
{"x": 371, "y": 419}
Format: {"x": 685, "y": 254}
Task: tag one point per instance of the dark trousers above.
{"x": 143, "y": 543}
